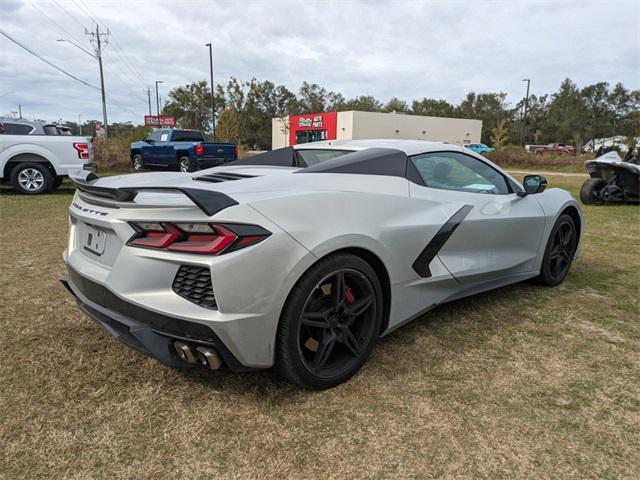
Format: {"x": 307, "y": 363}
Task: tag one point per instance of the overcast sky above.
{"x": 408, "y": 49}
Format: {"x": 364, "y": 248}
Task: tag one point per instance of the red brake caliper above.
{"x": 349, "y": 296}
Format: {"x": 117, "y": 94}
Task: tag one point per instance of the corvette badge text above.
{"x": 89, "y": 210}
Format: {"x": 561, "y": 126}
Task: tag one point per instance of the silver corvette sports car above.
{"x": 300, "y": 258}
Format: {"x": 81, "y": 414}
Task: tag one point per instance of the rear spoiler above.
{"x": 208, "y": 201}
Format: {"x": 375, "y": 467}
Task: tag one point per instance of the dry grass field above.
{"x": 523, "y": 382}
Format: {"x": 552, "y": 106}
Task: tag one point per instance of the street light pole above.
{"x": 526, "y": 108}
{"x": 213, "y": 104}
{"x": 158, "y": 102}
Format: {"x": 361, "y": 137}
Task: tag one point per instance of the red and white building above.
{"x": 354, "y": 125}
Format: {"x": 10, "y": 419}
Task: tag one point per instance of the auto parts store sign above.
{"x": 316, "y": 121}
{"x": 159, "y": 121}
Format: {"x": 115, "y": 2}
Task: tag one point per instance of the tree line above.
{"x": 244, "y": 110}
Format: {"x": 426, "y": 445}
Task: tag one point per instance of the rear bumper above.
{"x": 142, "y": 329}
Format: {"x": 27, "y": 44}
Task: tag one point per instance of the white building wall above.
{"x": 457, "y": 131}
{"x": 279, "y": 132}
{"x": 354, "y": 125}
{"x": 344, "y": 130}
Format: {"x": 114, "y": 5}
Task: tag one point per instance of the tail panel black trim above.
{"x": 421, "y": 264}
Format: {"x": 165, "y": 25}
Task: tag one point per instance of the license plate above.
{"x": 95, "y": 240}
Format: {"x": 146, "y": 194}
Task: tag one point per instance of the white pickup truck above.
{"x": 34, "y": 162}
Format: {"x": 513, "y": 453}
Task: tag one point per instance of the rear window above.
{"x": 50, "y": 130}
{"x": 187, "y": 136}
{"x": 311, "y": 157}
{"x": 15, "y": 129}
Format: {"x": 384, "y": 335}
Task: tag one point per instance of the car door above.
{"x": 149, "y": 150}
{"x": 164, "y": 149}
{"x": 497, "y": 233}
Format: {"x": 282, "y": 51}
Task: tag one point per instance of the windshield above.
{"x": 311, "y": 157}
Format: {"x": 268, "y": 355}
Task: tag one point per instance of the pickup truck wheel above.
{"x": 137, "y": 163}
{"x": 186, "y": 165}
{"x": 31, "y": 178}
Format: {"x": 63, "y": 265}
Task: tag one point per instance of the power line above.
{"x": 117, "y": 49}
{"x": 32, "y": 52}
{"x": 126, "y": 80}
{"x": 32, "y": 5}
{"x": 69, "y": 13}
{"x": 17, "y": 42}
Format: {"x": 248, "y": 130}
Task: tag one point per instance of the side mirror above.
{"x": 533, "y": 184}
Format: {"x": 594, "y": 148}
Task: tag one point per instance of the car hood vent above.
{"x": 221, "y": 177}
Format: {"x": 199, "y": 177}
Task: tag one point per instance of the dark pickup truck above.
{"x": 184, "y": 150}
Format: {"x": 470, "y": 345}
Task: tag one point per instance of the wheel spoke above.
{"x": 337, "y": 290}
{"x": 324, "y": 350}
{"x": 350, "y": 342}
{"x": 360, "y": 306}
{"x": 315, "y": 319}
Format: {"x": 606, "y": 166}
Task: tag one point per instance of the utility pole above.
{"x": 149, "y": 98}
{"x": 80, "y": 124}
{"x": 526, "y": 108}
{"x": 20, "y": 111}
{"x": 98, "y": 49}
{"x": 158, "y": 102}
{"x": 213, "y": 104}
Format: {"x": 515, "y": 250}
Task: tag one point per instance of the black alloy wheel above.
{"x": 330, "y": 323}
{"x": 560, "y": 251}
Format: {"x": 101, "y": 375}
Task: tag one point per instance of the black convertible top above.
{"x": 370, "y": 161}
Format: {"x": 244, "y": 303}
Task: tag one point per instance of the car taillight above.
{"x": 237, "y": 150}
{"x": 202, "y": 238}
{"x": 199, "y": 150}
{"x": 82, "y": 149}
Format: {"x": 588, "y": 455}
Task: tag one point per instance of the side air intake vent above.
{"x": 221, "y": 177}
{"x": 194, "y": 284}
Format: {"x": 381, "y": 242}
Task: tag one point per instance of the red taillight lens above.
{"x": 212, "y": 243}
{"x": 199, "y": 150}
{"x": 203, "y": 238}
{"x": 82, "y": 149}
{"x": 237, "y": 151}
{"x": 159, "y": 235}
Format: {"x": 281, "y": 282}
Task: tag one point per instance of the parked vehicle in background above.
{"x": 180, "y": 149}
{"x": 14, "y": 126}
{"x": 36, "y": 163}
{"x": 557, "y": 148}
{"x": 478, "y": 148}
{"x": 613, "y": 180}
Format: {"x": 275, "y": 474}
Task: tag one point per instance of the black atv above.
{"x": 613, "y": 180}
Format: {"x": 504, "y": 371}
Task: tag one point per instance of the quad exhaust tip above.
{"x": 201, "y": 355}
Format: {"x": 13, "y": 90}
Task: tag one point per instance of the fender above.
{"x": 553, "y": 202}
{"x": 8, "y": 154}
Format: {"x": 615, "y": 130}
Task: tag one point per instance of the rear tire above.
{"x": 31, "y": 178}
{"x": 559, "y": 252}
{"x": 185, "y": 165}
{"x": 138, "y": 164}
{"x": 589, "y": 193}
{"x": 324, "y": 338}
